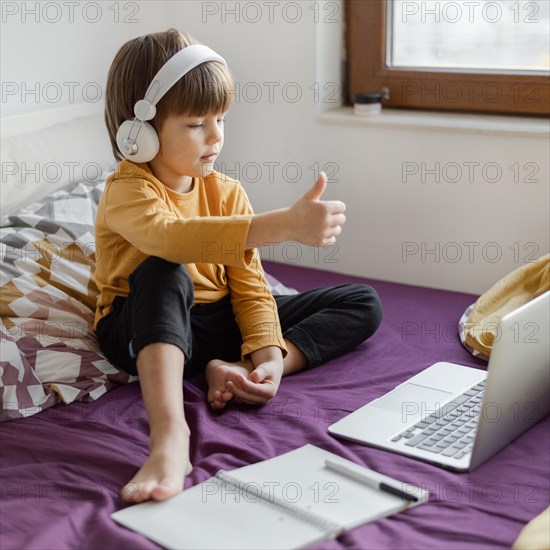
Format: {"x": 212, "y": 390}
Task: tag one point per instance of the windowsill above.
{"x": 429, "y": 120}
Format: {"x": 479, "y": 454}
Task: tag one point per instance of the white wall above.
{"x": 384, "y": 213}
{"x": 60, "y": 53}
{"x": 386, "y": 216}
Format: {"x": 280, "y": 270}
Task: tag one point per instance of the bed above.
{"x": 74, "y": 429}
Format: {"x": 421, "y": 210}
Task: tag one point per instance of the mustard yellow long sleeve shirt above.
{"x": 205, "y": 230}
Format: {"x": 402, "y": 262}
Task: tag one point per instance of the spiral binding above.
{"x": 327, "y": 526}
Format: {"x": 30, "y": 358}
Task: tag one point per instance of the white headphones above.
{"x": 136, "y": 139}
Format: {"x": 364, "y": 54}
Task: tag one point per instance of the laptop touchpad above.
{"x": 411, "y": 399}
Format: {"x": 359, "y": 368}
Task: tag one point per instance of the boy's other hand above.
{"x": 315, "y": 222}
{"x": 261, "y": 385}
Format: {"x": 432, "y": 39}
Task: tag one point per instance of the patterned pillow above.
{"x": 50, "y": 353}
{"x": 47, "y": 305}
{"x": 21, "y": 390}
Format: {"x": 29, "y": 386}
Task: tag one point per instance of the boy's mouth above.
{"x": 209, "y": 158}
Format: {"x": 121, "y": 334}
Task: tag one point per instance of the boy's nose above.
{"x": 215, "y": 134}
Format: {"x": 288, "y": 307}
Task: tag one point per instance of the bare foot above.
{"x": 216, "y": 377}
{"x": 163, "y": 473}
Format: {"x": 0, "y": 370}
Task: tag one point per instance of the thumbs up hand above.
{"x": 318, "y": 188}
{"x": 313, "y": 221}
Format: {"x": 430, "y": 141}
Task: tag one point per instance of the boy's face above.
{"x": 190, "y": 145}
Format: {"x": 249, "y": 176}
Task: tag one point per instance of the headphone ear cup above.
{"x": 147, "y": 142}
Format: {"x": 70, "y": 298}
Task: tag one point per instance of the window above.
{"x": 469, "y": 56}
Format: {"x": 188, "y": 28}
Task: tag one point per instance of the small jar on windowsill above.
{"x": 368, "y": 104}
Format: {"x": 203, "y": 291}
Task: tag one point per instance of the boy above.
{"x": 179, "y": 281}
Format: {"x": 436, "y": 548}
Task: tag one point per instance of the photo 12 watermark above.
{"x": 319, "y": 412}
{"x": 49, "y": 492}
{"x": 428, "y": 332}
{"x": 431, "y": 11}
{"x": 452, "y": 252}
{"x": 277, "y": 172}
{"x": 45, "y": 251}
{"x": 448, "y": 92}
{"x": 436, "y": 414}
{"x": 51, "y": 12}
{"x": 51, "y": 172}
{"x": 291, "y": 492}
{"x": 111, "y": 413}
{"x": 469, "y": 172}
{"x": 475, "y": 492}
{"x": 51, "y": 92}
{"x": 286, "y": 92}
{"x": 291, "y": 252}
{"x": 251, "y": 92}
{"x": 282, "y": 11}
{"x": 47, "y": 332}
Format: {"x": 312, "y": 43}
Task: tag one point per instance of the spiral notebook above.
{"x": 291, "y": 501}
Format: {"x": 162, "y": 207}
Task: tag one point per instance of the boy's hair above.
{"x": 205, "y": 90}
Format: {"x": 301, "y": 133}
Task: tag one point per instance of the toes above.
{"x": 165, "y": 489}
{"x": 137, "y": 492}
{"x": 221, "y": 400}
{"x": 218, "y": 399}
{"x": 129, "y": 492}
{"x": 226, "y": 396}
{"x": 214, "y": 396}
{"x": 217, "y": 404}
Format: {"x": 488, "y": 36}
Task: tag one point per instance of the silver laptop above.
{"x": 457, "y": 416}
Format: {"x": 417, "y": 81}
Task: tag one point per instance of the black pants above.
{"x": 322, "y": 323}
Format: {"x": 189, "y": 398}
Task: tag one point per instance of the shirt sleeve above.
{"x": 253, "y": 304}
{"x": 135, "y": 211}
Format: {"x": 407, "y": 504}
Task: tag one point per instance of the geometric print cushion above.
{"x": 50, "y": 354}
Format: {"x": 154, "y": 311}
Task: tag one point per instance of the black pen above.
{"x": 364, "y": 478}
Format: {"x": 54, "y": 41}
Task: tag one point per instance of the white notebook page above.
{"x": 212, "y": 515}
{"x": 301, "y": 478}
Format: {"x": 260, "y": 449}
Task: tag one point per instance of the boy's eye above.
{"x": 202, "y": 124}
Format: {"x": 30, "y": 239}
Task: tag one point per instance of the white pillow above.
{"x": 36, "y": 164}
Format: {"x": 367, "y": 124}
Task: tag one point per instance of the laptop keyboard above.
{"x": 450, "y": 430}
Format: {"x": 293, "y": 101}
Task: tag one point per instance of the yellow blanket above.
{"x": 517, "y": 288}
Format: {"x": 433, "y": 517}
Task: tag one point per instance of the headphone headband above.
{"x": 175, "y": 68}
{"x": 145, "y": 109}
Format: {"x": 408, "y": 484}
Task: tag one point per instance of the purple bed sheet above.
{"x": 61, "y": 470}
